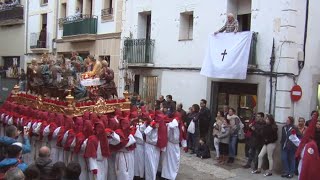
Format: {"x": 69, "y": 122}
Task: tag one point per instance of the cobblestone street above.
{"x": 194, "y": 168}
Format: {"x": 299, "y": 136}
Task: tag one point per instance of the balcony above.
{"x": 107, "y": 14}
{"x": 11, "y": 15}
{"x": 252, "y": 63}
{"x": 79, "y": 28}
{"x": 139, "y": 52}
{"x": 39, "y": 42}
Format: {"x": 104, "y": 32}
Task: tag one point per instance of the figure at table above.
{"x": 108, "y": 89}
{"x": 53, "y": 78}
{"x": 97, "y": 66}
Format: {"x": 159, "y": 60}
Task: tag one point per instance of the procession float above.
{"x": 70, "y": 86}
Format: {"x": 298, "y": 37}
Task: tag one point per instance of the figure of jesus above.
{"x": 97, "y": 66}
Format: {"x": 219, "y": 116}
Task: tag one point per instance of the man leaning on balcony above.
{"x": 231, "y": 25}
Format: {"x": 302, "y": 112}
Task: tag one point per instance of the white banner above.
{"x": 227, "y": 55}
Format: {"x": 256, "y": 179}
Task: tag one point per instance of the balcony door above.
{"x": 43, "y": 36}
{"x": 88, "y": 7}
{"x": 148, "y": 27}
{"x": 144, "y": 25}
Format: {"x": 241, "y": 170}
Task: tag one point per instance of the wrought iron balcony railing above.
{"x": 138, "y": 51}
{"x": 10, "y": 15}
{"x": 79, "y": 24}
{"x": 39, "y": 40}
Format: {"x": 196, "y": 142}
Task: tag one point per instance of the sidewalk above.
{"x": 195, "y": 168}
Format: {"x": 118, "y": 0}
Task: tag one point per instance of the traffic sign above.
{"x": 296, "y": 93}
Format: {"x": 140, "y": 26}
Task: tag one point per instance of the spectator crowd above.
{"x": 139, "y": 143}
{"x": 259, "y": 134}
{"x": 130, "y": 144}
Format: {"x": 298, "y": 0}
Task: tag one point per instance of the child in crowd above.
{"x": 203, "y": 151}
{"x": 224, "y": 137}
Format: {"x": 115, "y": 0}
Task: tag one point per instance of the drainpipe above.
{"x": 56, "y": 28}
{"x": 272, "y": 61}
{"x": 301, "y": 63}
{"x": 27, "y": 25}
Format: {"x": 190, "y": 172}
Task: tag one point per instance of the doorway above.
{"x": 149, "y": 89}
{"x": 240, "y": 96}
{"x": 43, "y": 36}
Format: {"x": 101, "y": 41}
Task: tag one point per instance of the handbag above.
{"x": 241, "y": 135}
{"x": 191, "y": 127}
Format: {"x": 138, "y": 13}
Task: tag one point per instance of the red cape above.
{"x": 162, "y": 131}
{"x": 70, "y": 138}
{"x": 310, "y": 162}
{"x": 80, "y": 137}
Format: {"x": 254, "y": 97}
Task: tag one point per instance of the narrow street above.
{"x": 192, "y": 167}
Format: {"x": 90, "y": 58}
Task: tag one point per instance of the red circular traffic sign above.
{"x": 296, "y": 93}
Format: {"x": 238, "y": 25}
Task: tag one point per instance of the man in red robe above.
{"x": 308, "y": 151}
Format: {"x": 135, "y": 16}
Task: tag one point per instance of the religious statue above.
{"x": 45, "y": 72}
{"x": 34, "y": 76}
{"x": 56, "y": 72}
{"x": 108, "y": 89}
{"x": 54, "y": 78}
{"x": 97, "y": 66}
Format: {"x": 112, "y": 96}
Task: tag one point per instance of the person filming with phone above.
{"x": 11, "y": 137}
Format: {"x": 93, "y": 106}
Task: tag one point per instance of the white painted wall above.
{"x": 209, "y": 16}
{"x": 310, "y": 75}
{"x": 282, "y": 21}
{"x": 185, "y": 86}
{"x": 13, "y": 39}
{"x": 34, "y": 20}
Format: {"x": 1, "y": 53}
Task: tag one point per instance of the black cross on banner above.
{"x": 223, "y": 54}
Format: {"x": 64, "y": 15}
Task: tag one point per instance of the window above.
{"x": 44, "y": 2}
{"x": 242, "y": 11}
{"x": 144, "y": 25}
{"x": 244, "y": 22}
{"x": 79, "y": 6}
{"x": 136, "y": 84}
{"x": 108, "y": 6}
{"x": 43, "y": 36}
{"x": 63, "y": 12}
{"x": 87, "y": 7}
{"x": 186, "y": 26}
{"x": 107, "y": 10}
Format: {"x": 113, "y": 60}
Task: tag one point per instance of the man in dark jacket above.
{"x": 72, "y": 171}
{"x": 159, "y": 101}
{"x": 182, "y": 112}
{"x": 312, "y": 114}
{"x": 204, "y": 119}
{"x": 256, "y": 140}
{"x": 44, "y": 163}
{"x": 203, "y": 150}
{"x": 170, "y": 104}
